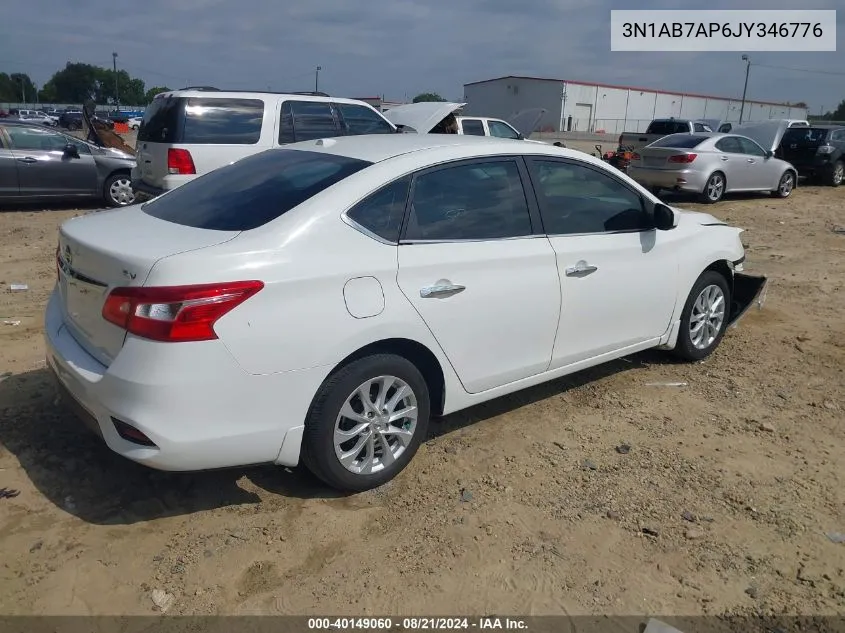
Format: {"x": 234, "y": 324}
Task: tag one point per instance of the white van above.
{"x": 187, "y": 133}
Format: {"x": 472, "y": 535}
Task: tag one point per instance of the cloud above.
{"x": 397, "y": 48}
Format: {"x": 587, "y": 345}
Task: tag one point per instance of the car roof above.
{"x": 243, "y": 94}
{"x": 375, "y": 148}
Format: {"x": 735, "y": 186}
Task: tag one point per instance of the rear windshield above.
{"x": 203, "y": 121}
{"x": 805, "y": 135}
{"x": 667, "y": 127}
{"x": 253, "y": 191}
{"x": 680, "y": 140}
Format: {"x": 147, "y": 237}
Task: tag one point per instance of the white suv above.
{"x": 187, "y": 133}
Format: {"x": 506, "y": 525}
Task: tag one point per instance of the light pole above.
{"x": 317, "y": 79}
{"x": 745, "y": 89}
{"x": 114, "y": 65}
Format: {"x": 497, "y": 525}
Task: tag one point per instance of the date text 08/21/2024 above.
{"x": 414, "y": 623}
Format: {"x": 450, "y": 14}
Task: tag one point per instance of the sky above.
{"x": 395, "y": 48}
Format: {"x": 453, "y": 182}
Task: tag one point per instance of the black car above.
{"x": 71, "y": 120}
{"x": 817, "y": 152}
{"x": 39, "y": 163}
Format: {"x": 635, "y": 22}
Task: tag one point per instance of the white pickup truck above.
{"x": 430, "y": 116}
{"x": 659, "y": 128}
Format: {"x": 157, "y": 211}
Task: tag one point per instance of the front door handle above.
{"x": 581, "y": 268}
{"x": 28, "y": 159}
{"x": 725, "y": 158}
{"x": 442, "y": 288}
{"x": 751, "y": 160}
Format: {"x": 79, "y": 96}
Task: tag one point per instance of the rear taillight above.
{"x": 825, "y": 149}
{"x": 176, "y": 313}
{"x": 682, "y": 158}
{"x": 635, "y": 156}
{"x": 179, "y": 161}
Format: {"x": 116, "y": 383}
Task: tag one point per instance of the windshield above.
{"x": 253, "y": 191}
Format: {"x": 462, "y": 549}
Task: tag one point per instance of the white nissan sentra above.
{"x": 320, "y": 303}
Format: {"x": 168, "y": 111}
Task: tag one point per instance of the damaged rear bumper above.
{"x": 748, "y": 291}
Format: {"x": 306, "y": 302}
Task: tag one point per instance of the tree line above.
{"x": 78, "y": 83}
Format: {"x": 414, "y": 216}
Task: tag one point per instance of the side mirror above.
{"x": 71, "y": 150}
{"x": 664, "y": 217}
{"x": 769, "y": 154}
{"x": 520, "y": 136}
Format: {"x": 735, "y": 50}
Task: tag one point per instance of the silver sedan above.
{"x": 711, "y": 165}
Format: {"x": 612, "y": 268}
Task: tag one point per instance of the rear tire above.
{"x": 704, "y": 318}
{"x": 348, "y": 430}
{"x": 714, "y": 189}
{"x": 117, "y": 190}
{"x": 785, "y": 185}
{"x": 837, "y": 174}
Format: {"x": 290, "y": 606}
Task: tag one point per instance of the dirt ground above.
{"x": 723, "y": 504}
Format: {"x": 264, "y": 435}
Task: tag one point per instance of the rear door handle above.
{"x": 441, "y": 289}
{"x": 28, "y": 159}
{"x": 581, "y": 268}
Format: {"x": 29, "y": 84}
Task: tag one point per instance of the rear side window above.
{"x": 358, "y": 119}
{"x": 307, "y": 121}
{"x": 162, "y": 120}
{"x": 730, "y": 145}
{"x": 838, "y": 136}
{"x": 253, "y": 191}
{"x": 680, "y": 140}
{"x": 381, "y": 213}
{"x": 473, "y": 127}
{"x": 222, "y": 121}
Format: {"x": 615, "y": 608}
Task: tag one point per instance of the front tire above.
{"x": 714, "y": 189}
{"x": 366, "y": 423}
{"x": 704, "y": 318}
{"x": 117, "y": 191}
{"x": 785, "y": 185}
{"x": 837, "y": 174}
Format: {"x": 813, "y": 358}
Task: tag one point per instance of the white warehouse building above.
{"x": 578, "y": 106}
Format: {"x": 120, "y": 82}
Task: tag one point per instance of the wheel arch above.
{"x": 418, "y": 354}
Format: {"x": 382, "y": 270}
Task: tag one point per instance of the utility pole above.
{"x": 745, "y": 89}
{"x": 317, "y": 79}
{"x": 23, "y": 91}
{"x": 116, "y": 97}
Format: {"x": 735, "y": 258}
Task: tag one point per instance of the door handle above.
{"x": 28, "y": 159}
{"x": 581, "y": 268}
{"x": 751, "y": 160}
{"x": 441, "y": 289}
{"x": 725, "y": 158}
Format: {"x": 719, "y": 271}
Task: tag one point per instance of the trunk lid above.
{"x": 800, "y": 144}
{"x": 108, "y": 249}
{"x": 421, "y": 117}
{"x": 658, "y": 157}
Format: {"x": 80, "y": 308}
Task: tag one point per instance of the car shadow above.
{"x": 85, "y": 205}
{"x": 75, "y": 471}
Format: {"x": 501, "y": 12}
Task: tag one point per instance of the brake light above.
{"x": 179, "y": 161}
{"x": 825, "y": 149}
{"x": 635, "y": 156}
{"x": 176, "y": 313}
{"x": 682, "y": 158}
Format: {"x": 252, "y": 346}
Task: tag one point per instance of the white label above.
{"x": 731, "y": 30}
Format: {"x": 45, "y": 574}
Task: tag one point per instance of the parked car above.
{"x": 729, "y": 127}
{"x": 187, "y": 133}
{"x": 818, "y": 152}
{"x": 38, "y": 118}
{"x": 71, "y": 120}
{"x": 711, "y": 165}
{"x": 37, "y": 163}
{"x": 134, "y": 123}
{"x": 319, "y": 303}
{"x": 657, "y": 129}
{"x": 425, "y": 117}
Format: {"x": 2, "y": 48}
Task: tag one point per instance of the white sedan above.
{"x": 134, "y": 122}
{"x": 318, "y": 304}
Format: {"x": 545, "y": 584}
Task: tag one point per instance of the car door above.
{"x": 475, "y": 265}
{"x": 617, "y": 273}
{"x": 44, "y": 169}
{"x": 8, "y": 169}
{"x": 763, "y": 172}
{"x": 734, "y": 163}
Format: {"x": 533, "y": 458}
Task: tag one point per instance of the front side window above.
{"x": 358, "y": 119}
{"x": 502, "y": 130}
{"x": 307, "y": 121}
{"x": 472, "y": 127}
{"x": 472, "y": 201}
{"x": 575, "y": 199}
{"x": 34, "y": 139}
{"x": 750, "y": 147}
{"x": 381, "y": 213}
{"x": 838, "y": 136}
